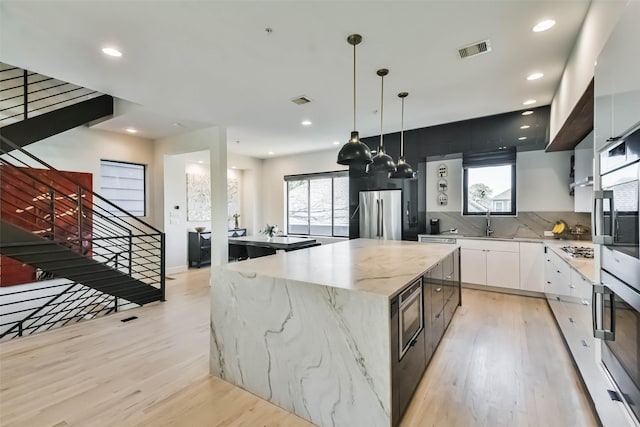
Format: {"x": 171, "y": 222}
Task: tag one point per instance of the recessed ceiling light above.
{"x": 522, "y": 138}
{"x": 525, "y": 127}
{"x": 271, "y": 153}
{"x": 306, "y": 123}
{"x": 111, "y": 51}
{"x": 535, "y": 76}
{"x": 529, "y": 102}
{"x": 200, "y": 161}
{"x": 336, "y": 142}
{"x": 526, "y": 113}
{"x": 233, "y": 167}
{"x": 544, "y": 25}
{"x": 131, "y": 130}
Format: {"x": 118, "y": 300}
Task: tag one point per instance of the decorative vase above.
{"x": 235, "y": 223}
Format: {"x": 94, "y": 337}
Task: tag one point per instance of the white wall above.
{"x": 579, "y": 70}
{"x": 252, "y": 205}
{"x": 273, "y": 174}
{"x": 542, "y": 183}
{"x": 170, "y": 186}
{"x": 82, "y": 148}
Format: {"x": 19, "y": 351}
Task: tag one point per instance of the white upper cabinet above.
{"x": 617, "y": 85}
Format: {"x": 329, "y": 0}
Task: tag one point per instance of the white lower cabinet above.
{"x": 531, "y": 270}
{"x": 562, "y": 280}
{"x": 474, "y": 266}
{"x": 490, "y": 263}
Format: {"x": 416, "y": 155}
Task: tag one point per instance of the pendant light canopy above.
{"x": 404, "y": 169}
{"x": 354, "y": 152}
{"x": 382, "y": 162}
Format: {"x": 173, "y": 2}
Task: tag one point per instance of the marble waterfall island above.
{"x": 309, "y": 330}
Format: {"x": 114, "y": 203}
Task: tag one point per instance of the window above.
{"x": 123, "y": 184}
{"x": 489, "y": 183}
{"x": 318, "y": 204}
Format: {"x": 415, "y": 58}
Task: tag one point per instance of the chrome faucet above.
{"x": 488, "y": 231}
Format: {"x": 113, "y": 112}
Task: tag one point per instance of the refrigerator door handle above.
{"x": 377, "y": 217}
{"x": 382, "y": 218}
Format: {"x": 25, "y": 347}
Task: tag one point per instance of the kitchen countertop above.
{"x": 381, "y": 267}
{"x": 584, "y": 266}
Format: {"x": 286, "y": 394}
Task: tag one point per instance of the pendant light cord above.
{"x": 381, "y": 148}
{"x": 354, "y": 87}
{"x": 402, "y": 131}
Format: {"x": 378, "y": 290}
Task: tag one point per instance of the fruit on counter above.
{"x": 559, "y": 227}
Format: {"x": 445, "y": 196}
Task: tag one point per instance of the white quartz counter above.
{"x": 584, "y": 266}
{"x": 381, "y": 267}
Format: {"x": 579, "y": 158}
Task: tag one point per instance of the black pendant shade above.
{"x": 382, "y": 162}
{"x": 354, "y": 152}
{"x": 404, "y": 169}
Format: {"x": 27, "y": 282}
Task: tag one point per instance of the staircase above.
{"x": 91, "y": 257}
{"x": 34, "y": 106}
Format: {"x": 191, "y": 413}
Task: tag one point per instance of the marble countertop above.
{"x": 381, "y": 267}
{"x": 584, "y": 266}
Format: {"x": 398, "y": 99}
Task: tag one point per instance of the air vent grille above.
{"x": 301, "y": 100}
{"x": 475, "y": 49}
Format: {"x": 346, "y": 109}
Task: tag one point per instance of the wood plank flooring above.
{"x": 501, "y": 363}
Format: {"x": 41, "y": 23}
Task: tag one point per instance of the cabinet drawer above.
{"x": 489, "y": 245}
{"x": 580, "y": 286}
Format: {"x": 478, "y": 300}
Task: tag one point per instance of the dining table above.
{"x": 276, "y": 242}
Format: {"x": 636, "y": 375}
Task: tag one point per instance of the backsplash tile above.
{"x": 526, "y": 224}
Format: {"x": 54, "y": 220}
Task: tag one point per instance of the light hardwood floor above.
{"x": 501, "y": 363}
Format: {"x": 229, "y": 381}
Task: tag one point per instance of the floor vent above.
{"x": 301, "y": 100}
{"x": 475, "y": 49}
{"x": 128, "y": 319}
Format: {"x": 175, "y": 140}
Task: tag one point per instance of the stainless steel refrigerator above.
{"x": 381, "y": 214}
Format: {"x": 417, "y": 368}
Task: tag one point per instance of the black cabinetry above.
{"x": 199, "y": 248}
{"x": 238, "y": 232}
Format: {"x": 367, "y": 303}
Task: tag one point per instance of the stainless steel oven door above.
{"x": 411, "y": 316}
{"x": 620, "y": 324}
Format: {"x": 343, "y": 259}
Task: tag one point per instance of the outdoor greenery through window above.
{"x": 123, "y": 184}
{"x": 489, "y": 184}
{"x": 318, "y": 204}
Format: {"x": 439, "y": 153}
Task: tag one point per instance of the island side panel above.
{"x": 319, "y": 352}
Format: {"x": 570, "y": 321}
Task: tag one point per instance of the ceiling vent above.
{"x": 301, "y": 100}
{"x": 475, "y": 49}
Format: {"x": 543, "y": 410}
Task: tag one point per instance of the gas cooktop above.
{"x": 578, "y": 251}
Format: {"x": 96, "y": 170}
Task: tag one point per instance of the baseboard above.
{"x": 175, "y": 270}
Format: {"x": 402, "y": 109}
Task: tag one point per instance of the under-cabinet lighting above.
{"x": 529, "y": 102}
{"x": 131, "y": 130}
{"x": 522, "y": 138}
{"x": 525, "y": 127}
{"x": 526, "y": 113}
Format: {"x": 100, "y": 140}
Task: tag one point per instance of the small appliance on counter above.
{"x": 578, "y": 231}
{"x": 434, "y": 226}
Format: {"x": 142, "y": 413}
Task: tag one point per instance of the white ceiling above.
{"x": 212, "y": 62}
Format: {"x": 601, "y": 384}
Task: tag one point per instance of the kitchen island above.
{"x": 310, "y": 330}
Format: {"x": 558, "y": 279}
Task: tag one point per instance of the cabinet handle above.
{"x": 598, "y": 217}
{"x": 415, "y": 340}
{"x": 438, "y": 289}
{"x": 598, "y": 308}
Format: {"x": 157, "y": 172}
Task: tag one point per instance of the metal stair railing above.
{"x": 25, "y": 94}
{"x": 37, "y": 198}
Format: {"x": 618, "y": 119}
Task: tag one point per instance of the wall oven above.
{"x": 411, "y": 317}
{"x": 616, "y": 301}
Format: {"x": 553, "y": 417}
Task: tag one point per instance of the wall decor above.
{"x": 442, "y": 199}
{"x": 442, "y": 171}
{"x": 198, "y": 197}
{"x": 442, "y": 184}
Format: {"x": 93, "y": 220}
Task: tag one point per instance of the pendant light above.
{"x": 382, "y": 162}
{"x": 354, "y": 152}
{"x": 404, "y": 169}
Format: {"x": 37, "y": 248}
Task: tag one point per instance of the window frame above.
{"x": 485, "y": 160}
{"x": 309, "y": 177}
{"x": 110, "y": 212}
